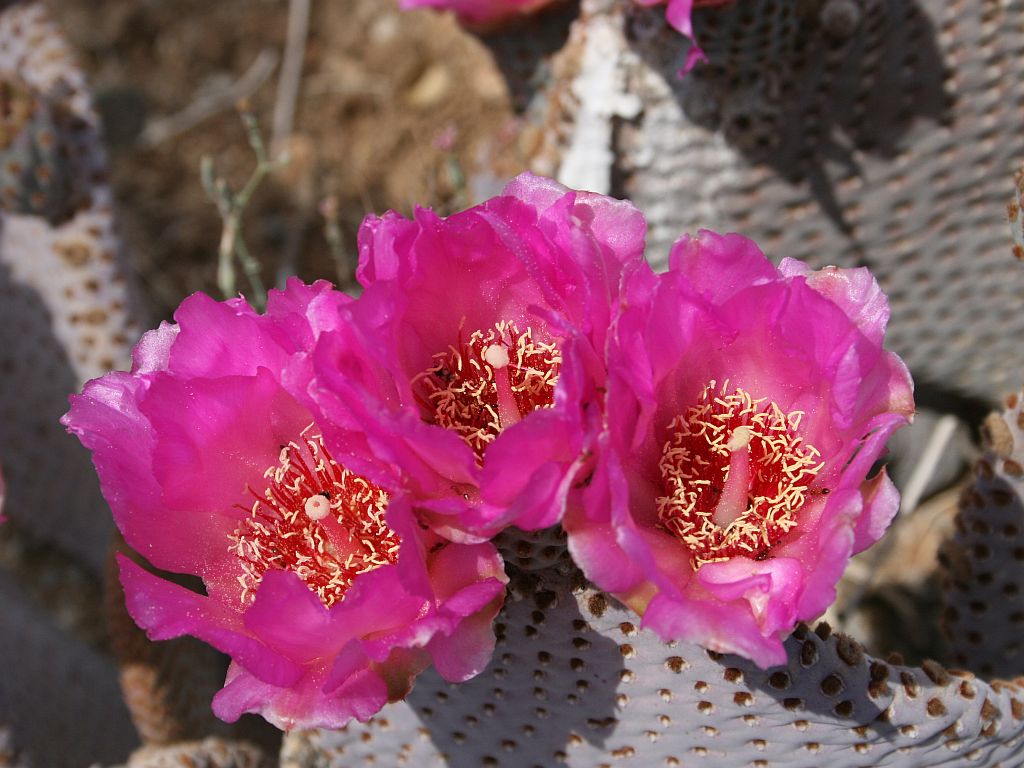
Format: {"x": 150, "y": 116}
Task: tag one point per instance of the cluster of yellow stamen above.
{"x": 316, "y": 519}
{"x": 489, "y": 382}
{"x": 736, "y": 472}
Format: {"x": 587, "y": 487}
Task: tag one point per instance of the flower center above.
{"x": 735, "y": 473}
{"x": 489, "y": 382}
{"x": 315, "y": 519}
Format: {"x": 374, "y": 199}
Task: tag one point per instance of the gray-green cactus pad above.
{"x": 984, "y": 561}
{"x": 887, "y": 140}
{"x": 575, "y": 682}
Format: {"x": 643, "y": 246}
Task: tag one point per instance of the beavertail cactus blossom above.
{"x": 320, "y": 585}
{"x": 470, "y": 370}
{"x": 678, "y": 14}
{"x": 481, "y": 14}
{"x": 746, "y": 405}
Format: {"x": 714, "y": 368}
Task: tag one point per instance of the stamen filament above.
{"x": 315, "y": 519}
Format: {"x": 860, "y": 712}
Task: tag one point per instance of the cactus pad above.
{"x": 984, "y": 561}
{"x": 209, "y": 753}
{"x": 67, "y": 313}
{"x": 852, "y": 132}
{"x": 574, "y": 681}
{"x": 40, "y": 166}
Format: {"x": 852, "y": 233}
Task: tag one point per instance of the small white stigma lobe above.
{"x": 317, "y": 507}
{"x": 496, "y": 356}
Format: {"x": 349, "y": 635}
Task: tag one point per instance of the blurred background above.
{"x": 393, "y": 110}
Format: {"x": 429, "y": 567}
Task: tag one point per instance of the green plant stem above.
{"x": 232, "y": 207}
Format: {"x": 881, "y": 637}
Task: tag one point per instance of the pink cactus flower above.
{"x": 481, "y": 14}
{"x": 323, "y": 588}
{"x": 746, "y": 405}
{"x": 678, "y": 13}
{"x": 470, "y": 370}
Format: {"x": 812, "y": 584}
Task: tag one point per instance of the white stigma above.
{"x": 496, "y": 356}
{"x": 317, "y": 507}
{"x": 740, "y": 438}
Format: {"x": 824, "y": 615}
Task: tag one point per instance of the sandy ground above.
{"x": 394, "y": 110}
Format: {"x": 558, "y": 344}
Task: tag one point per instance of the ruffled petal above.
{"x": 771, "y": 588}
{"x": 106, "y": 418}
{"x": 724, "y": 628}
{"x": 539, "y": 258}
{"x": 305, "y": 705}
{"x": 223, "y": 338}
{"x": 166, "y": 611}
{"x": 855, "y": 291}
{"x": 288, "y": 617}
{"x": 881, "y": 503}
{"x": 719, "y": 266}
{"x": 214, "y": 466}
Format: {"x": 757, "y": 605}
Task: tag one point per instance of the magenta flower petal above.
{"x": 302, "y": 705}
{"x": 881, "y": 503}
{"x": 855, "y": 291}
{"x": 678, "y": 14}
{"x": 233, "y": 339}
{"x": 770, "y": 589}
{"x": 154, "y": 349}
{"x": 107, "y": 419}
{"x": 469, "y": 372}
{"x": 614, "y": 222}
{"x": 206, "y": 433}
{"x": 166, "y": 611}
{"x": 288, "y": 617}
{"x": 831, "y": 548}
{"x": 719, "y": 627}
{"x": 745, "y": 407}
{"x": 720, "y": 266}
{"x": 541, "y": 450}
{"x": 325, "y": 590}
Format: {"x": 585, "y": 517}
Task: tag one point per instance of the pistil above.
{"x": 735, "y": 473}
{"x": 735, "y": 495}
{"x": 489, "y": 382}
